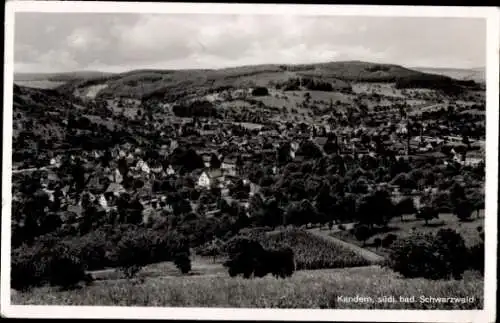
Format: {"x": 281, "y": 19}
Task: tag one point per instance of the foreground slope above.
{"x": 305, "y": 289}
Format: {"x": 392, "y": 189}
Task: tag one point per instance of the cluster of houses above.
{"x": 210, "y": 137}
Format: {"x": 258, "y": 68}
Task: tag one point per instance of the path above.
{"x": 367, "y": 254}
{"x": 27, "y": 170}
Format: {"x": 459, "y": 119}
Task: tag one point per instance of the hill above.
{"x": 475, "y": 74}
{"x": 59, "y": 77}
{"x": 54, "y": 80}
{"x": 171, "y": 85}
{"x": 41, "y": 122}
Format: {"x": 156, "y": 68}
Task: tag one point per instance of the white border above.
{"x": 492, "y": 75}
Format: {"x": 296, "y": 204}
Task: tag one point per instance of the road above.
{"x": 27, "y": 170}
{"x": 422, "y": 109}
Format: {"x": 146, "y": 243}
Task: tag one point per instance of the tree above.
{"x": 362, "y": 233}
{"x": 309, "y": 150}
{"x": 215, "y": 162}
{"x": 375, "y": 208}
{"x": 405, "y": 206}
{"x": 463, "y": 210}
{"x": 260, "y": 91}
{"x": 182, "y": 262}
{"x": 427, "y": 213}
{"x": 186, "y": 159}
{"x": 433, "y": 256}
{"x": 78, "y": 173}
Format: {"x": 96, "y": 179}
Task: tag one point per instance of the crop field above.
{"x": 305, "y": 289}
{"x": 312, "y": 252}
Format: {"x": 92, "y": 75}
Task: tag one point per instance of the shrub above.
{"x": 46, "y": 261}
{"x": 388, "y": 240}
{"x": 66, "y": 269}
{"x": 29, "y": 267}
{"x": 182, "y": 262}
{"x": 260, "y": 91}
{"x": 362, "y": 233}
{"x": 463, "y": 210}
{"x": 476, "y": 253}
{"x": 438, "y": 256}
{"x": 377, "y": 242}
{"x": 132, "y": 253}
{"x": 247, "y": 257}
{"x": 341, "y": 227}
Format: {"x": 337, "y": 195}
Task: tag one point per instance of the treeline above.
{"x": 435, "y": 82}
{"x": 296, "y": 84}
{"x": 197, "y": 108}
{"x": 64, "y": 262}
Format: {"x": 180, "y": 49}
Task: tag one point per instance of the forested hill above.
{"x": 173, "y": 84}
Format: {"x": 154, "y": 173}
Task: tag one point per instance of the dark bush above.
{"x": 260, "y": 91}
{"x": 248, "y": 257}
{"x": 476, "y": 257}
{"x": 66, "y": 269}
{"x": 182, "y": 262}
{"x": 377, "y": 242}
{"x": 477, "y": 253}
{"x": 438, "y": 256}
{"x": 341, "y": 227}
{"x": 388, "y": 240}
{"x": 362, "y": 233}
{"x": 46, "y": 261}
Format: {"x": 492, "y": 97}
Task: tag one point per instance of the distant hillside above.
{"x": 54, "y": 80}
{"x": 174, "y": 84}
{"x": 475, "y": 74}
{"x": 59, "y": 77}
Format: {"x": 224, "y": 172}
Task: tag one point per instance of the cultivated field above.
{"x": 313, "y": 252}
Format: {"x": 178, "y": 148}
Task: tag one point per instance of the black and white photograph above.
{"x": 232, "y": 161}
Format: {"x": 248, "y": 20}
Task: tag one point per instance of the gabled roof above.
{"x": 321, "y": 141}
{"x": 214, "y": 173}
{"x": 115, "y": 188}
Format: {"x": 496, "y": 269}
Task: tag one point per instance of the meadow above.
{"x": 404, "y": 229}
{"x": 305, "y": 289}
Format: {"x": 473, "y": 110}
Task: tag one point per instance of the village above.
{"x": 230, "y": 150}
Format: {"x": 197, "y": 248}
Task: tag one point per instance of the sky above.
{"x": 62, "y": 42}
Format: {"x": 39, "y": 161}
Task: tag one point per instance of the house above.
{"x": 170, "y": 170}
{"x": 103, "y": 202}
{"x": 206, "y": 159}
{"x": 142, "y": 166}
{"x": 117, "y": 176}
{"x": 115, "y": 189}
{"x": 472, "y": 161}
{"x": 229, "y": 166}
{"x": 208, "y": 178}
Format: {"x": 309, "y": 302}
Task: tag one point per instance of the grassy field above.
{"x": 305, "y": 289}
{"x": 404, "y": 228}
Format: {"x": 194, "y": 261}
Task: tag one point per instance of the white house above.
{"x": 117, "y": 177}
{"x": 142, "y": 166}
{"x": 170, "y": 170}
{"x": 211, "y": 177}
{"x": 103, "y": 202}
